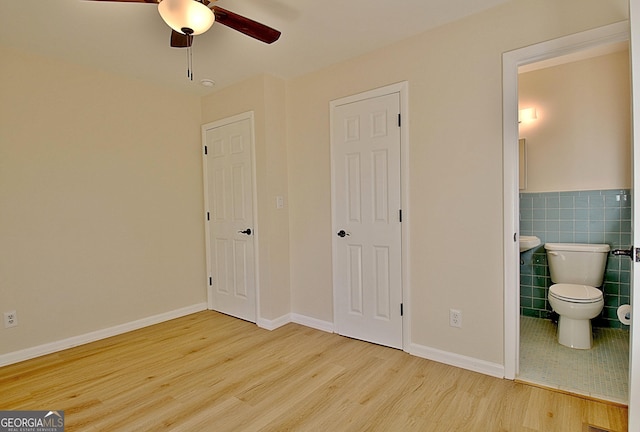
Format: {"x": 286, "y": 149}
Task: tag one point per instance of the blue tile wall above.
{"x": 601, "y": 216}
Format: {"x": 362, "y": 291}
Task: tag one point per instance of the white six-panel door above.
{"x": 230, "y": 224}
{"x": 367, "y": 230}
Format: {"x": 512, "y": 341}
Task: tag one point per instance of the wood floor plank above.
{"x": 208, "y": 371}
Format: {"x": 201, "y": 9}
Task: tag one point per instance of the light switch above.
{"x": 279, "y": 202}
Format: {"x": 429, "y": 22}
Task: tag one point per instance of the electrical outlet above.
{"x": 10, "y": 319}
{"x": 455, "y": 318}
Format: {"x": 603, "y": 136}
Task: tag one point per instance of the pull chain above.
{"x": 189, "y": 63}
{"x": 189, "y": 34}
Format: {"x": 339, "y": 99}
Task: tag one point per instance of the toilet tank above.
{"x": 577, "y": 263}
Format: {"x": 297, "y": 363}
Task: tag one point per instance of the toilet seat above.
{"x": 575, "y": 293}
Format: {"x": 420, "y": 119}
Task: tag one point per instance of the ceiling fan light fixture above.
{"x": 185, "y": 15}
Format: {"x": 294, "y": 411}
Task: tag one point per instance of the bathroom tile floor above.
{"x": 601, "y": 372}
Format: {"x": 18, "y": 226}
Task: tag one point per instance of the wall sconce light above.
{"x": 527, "y": 114}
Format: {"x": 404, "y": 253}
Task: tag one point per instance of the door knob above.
{"x": 247, "y": 231}
{"x": 342, "y": 233}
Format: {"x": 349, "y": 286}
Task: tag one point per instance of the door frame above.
{"x": 402, "y": 88}
{"x": 618, "y": 32}
{"x": 634, "y": 352}
{"x": 249, "y": 115}
{"x": 612, "y": 33}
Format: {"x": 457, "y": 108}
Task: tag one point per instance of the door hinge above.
{"x": 401, "y": 309}
{"x": 205, "y": 149}
{"x": 210, "y": 281}
{"x": 399, "y": 120}
{"x": 400, "y": 215}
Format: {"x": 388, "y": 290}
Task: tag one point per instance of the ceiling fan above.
{"x": 188, "y": 18}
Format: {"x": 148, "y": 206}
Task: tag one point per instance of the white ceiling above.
{"x": 131, "y": 39}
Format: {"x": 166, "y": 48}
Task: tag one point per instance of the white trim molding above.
{"x": 275, "y": 323}
{"x": 304, "y": 320}
{"x": 457, "y": 360}
{"x": 52, "y": 347}
{"x": 315, "y": 323}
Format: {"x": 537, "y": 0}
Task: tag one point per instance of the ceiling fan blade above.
{"x": 179, "y": 40}
{"x": 245, "y": 25}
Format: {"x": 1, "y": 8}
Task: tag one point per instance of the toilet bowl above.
{"x": 576, "y": 305}
{"x": 576, "y": 270}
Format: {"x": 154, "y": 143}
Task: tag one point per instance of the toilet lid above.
{"x": 575, "y": 293}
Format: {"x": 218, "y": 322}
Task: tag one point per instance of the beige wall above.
{"x": 101, "y": 200}
{"x": 265, "y": 96}
{"x": 454, "y": 74}
{"x": 581, "y": 139}
{"x": 455, "y": 183}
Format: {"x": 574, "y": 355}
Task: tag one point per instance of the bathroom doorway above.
{"x": 532, "y": 219}
{"x": 577, "y": 189}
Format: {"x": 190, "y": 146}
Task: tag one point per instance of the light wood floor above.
{"x": 210, "y": 372}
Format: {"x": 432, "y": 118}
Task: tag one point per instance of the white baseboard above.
{"x": 464, "y": 362}
{"x": 298, "y": 319}
{"x": 37, "y": 351}
{"x": 457, "y": 360}
{"x": 274, "y": 324}
{"x": 451, "y": 359}
{"x": 313, "y": 323}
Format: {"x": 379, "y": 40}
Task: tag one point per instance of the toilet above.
{"x": 577, "y": 271}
